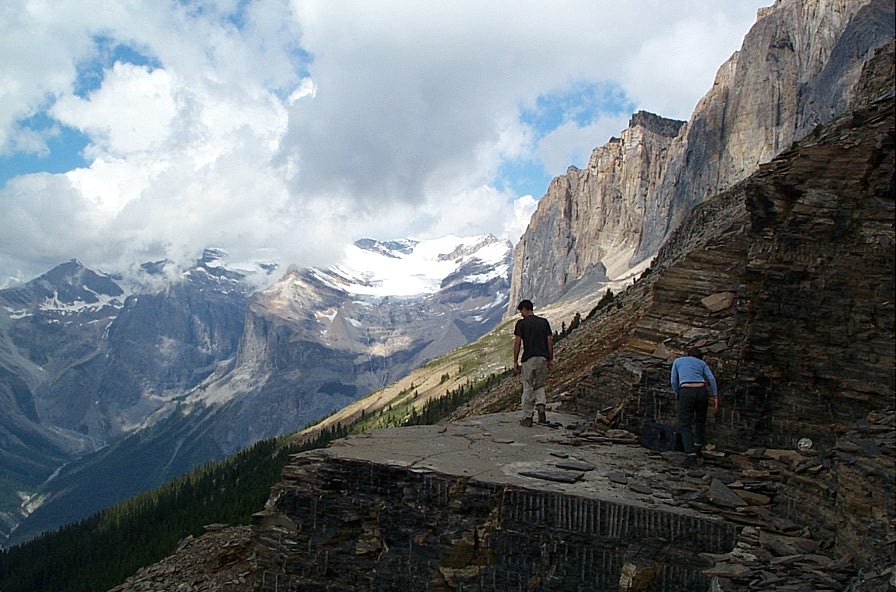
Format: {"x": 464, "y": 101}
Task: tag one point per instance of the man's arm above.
{"x": 673, "y": 380}
{"x": 715, "y": 388}
{"x": 517, "y": 341}
{"x": 550, "y": 351}
{"x": 711, "y": 379}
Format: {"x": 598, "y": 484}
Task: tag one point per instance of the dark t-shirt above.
{"x": 534, "y": 331}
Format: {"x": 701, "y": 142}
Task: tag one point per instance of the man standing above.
{"x": 689, "y": 377}
{"x": 533, "y": 333}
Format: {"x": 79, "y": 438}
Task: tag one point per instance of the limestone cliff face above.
{"x": 785, "y": 281}
{"x": 797, "y": 68}
{"x": 587, "y": 226}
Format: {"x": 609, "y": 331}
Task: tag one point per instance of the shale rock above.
{"x": 217, "y": 561}
{"x": 423, "y": 509}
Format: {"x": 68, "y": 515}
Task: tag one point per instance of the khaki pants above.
{"x": 533, "y": 372}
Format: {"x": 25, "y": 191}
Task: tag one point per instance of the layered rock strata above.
{"x": 484, "y": 505}
{"x": 786, "y": 282}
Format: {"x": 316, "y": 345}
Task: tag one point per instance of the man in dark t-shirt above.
{"x": 532, "y": 334}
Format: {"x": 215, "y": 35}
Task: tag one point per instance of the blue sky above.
{"x": 281, "y": 130}
{"x": 64, "y": 144}
{"x": 580, "y": 105}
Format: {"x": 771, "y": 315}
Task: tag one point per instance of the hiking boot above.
{"x": 690, "y": 461}
{"x": 541, "y": 415}
{"x": 526, "y": 422}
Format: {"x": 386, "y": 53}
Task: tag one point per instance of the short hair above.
{"x": 695, "y": 352}
{"x": 525, "y": 305}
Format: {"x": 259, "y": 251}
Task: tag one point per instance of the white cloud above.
{"x": 570, "y": 144}
{"x": 132, "y": 112}
{"x": 515, "y": 225}
{"x": 281, "y": 130}
{"x": 669, "y": 70}
{"x": 45, "y": 222}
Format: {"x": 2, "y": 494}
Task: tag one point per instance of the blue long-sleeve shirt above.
{"x": 690, "y": 369}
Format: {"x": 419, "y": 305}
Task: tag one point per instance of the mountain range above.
{"x": 100, "y": 371}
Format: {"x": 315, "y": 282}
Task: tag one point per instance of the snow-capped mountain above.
{"x": 85, "y": 357}
{"x": 412, "y": 268}
{"x": 119, "y": 387}
{"x": 321, "y": 338}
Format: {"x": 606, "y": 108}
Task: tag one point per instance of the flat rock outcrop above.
{"x": 486, "y": 504}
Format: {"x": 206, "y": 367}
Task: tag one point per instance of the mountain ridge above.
{"x": 235, "y": 367}
{"x": 563, "y": 258}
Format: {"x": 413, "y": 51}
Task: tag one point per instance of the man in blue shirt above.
{"x": 690, "y": 375}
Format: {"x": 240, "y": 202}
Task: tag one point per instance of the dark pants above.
{"x": 693, "y": 402}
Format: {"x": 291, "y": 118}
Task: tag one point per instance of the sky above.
{"x": 283, "y": 130}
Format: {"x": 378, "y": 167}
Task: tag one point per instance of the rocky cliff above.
{"x": 587, "y": 226}
{"x": 785, "y": 280}
{"x": 797, "y": 68}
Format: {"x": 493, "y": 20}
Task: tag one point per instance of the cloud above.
{"x": 132, "y": 112}
{"x": 280, "y": 130}
{"x": 571, "y": 145}
{"x": 669, "y": 70}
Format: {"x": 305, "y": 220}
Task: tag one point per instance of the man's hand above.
{"x": 516, "y": 367}
{"x": 715, "y": 404}
{"x": 550, "y": 364}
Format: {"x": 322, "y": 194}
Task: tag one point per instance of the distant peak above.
{"x": 411, "y": 267}
{"x": 387, "y": 248}
{"x": 657, "y": 124}
{"x": 212, "y": 255}
{"x": 154, "y": 267}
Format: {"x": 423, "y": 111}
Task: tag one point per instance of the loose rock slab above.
{"x": 560, "y": 476}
